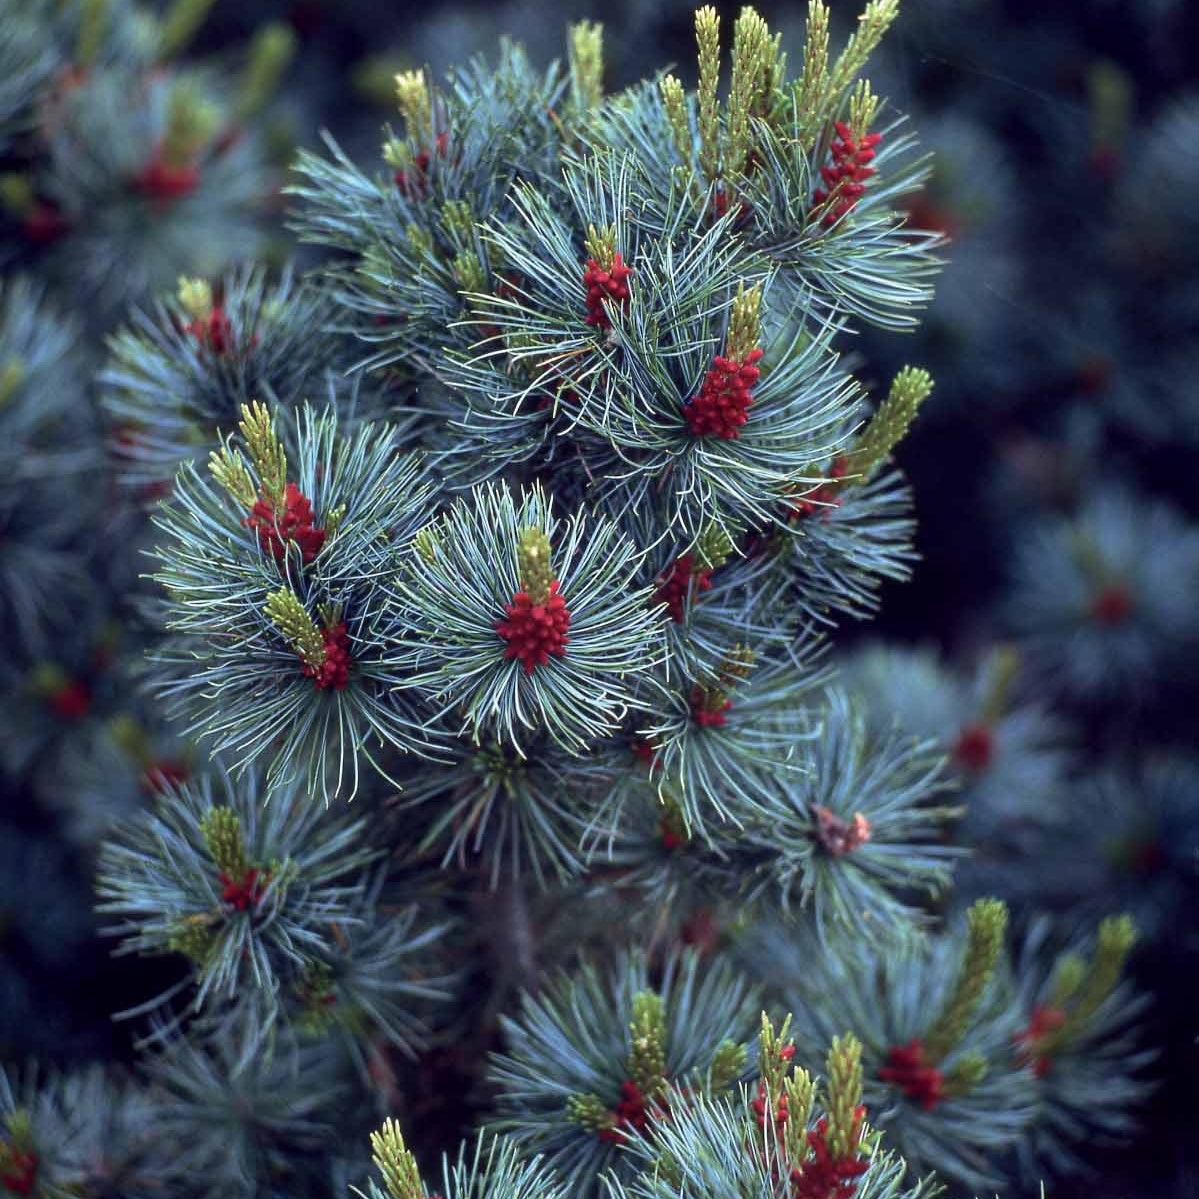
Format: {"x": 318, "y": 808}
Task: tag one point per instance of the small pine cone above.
{"x": 675, "y": 585}
{"x": 535, "y": 631}
{"x": 722, "y": 406}
{"x": 334, "y": 673}
{"x": 604, "y": 286}
{"x": 295, "y": 523}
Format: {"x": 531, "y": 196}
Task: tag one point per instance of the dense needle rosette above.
{"x": 563, "y": 659}
{"x": 180, "y": 367}
{"x": 288, "y": 657}
{"x": 589, "y": 1059}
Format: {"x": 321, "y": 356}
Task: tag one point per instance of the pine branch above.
{"x": 350, "y": 505}
{"x": 595, "y": 1038}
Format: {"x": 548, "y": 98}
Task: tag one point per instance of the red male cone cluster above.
{"x": 18, "y": 1171}
{"x": 215, "y": 332}
{"x": 708, "y": 711}
{"x": 163, "y": 182}
{"x": 672, "y": 831}
{"x": 1112, "y": 605}
{"x": 334, "y": 672}
{"x": 604, "y": 286}
{"x": 71, "y": 701}
{"x": 823, "y": 498}
{"x": 974, "y": 748}
{"x": 630, "y": 1113}
{"x": 721, "y": 193}
{"x": 645, "y": 752}
{"x": 535, "y": 631}
{"x": 907, "y": 1069}
{"x": 294, "y": 523}
{"x": 1045, "y": 1019}
{"x": 413, "y": 179}
{"x": 160, "y": 777}
{"x": 845, "y": 179}
{"x": 244, "y": 893}
{"x": 676, "y": 585}
{"x": 43, "y": 224}
{"x": 722, "y": 406}
{"x": 779, "y": 1115}
{"x": 824, "y": 1176}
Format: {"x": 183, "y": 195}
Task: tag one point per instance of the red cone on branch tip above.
{"x": 632, "y": 1113}
{"x": 672, "y": 836}
{"x": 778, "y": 1116}
{"x": 722, "y": 405}
{"x": 707, "y": 712}
{"x": 1112, "y": 605}
{"x": 294, "y": 523}
{"x": 412, "y": 180}
{"x": 215, "y": 332}
{"x": 822, "y": 1176}
{"x": 246, "y": 892}
{"x": 845, "y": 179}
{"x": 823, "y": 498}
{"x": 974, "y": 749}
{"x": 535, "y": 631}
{"x": 720, "y": 196}
{"x": 334, "y": 673}
{"x": 1045, "y": 1018}
{"x": 18, "y": 1171}
{"x": 907, "y": 1070}
{"x": 71, "y": 701}
{"x": 675, "y": 585}
{"x": 43, "y": 224}
{"x": 163, "y": 181}
{"x": 160, "y": 777}
{"x": 604, "y": 286}
{"x": 825, "y": 1176}
{"x": 645, "y": 752}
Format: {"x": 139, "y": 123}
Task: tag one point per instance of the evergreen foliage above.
{"x": 249, "y": 573}
{"x": 525, "y": 520}
{"x": 765, "y": 1141}
{"x": 46, "y": 444}
{"x": 1082, "y": 1043}
{"x": 275, "y": 906}
{"x": 841, "y": 844}
{"x": 1006, "y": 753}
{"x": 134, "y": 167}
{"x": 179, "y": 373}
{"x": 494, "y": 1170}
{"x": 590, "y": 1057}
{"x": 80, "y": 1132}
{"x": 1111, "y": 581}
{"x": 937, "y": 1025}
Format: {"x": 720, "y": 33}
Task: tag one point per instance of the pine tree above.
{"x": 525, "y": 525}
